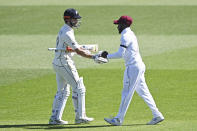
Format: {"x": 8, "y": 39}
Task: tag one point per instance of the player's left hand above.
{"x": 104, "y": 54}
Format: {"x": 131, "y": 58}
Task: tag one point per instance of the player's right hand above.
{"x": 99, "y": 60}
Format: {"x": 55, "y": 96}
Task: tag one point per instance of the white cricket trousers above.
{"x": 66, "y": 76}
{"x": 134, "y": 80}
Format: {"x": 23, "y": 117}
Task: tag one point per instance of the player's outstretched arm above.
{"x": 83, "y": 53}
{"x": 97, "y": 58}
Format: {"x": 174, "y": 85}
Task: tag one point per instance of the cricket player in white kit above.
{"x": 134, "y": 79}
{"x": 66, "y": 72}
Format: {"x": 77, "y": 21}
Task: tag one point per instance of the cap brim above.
{"x": 77, "y": 17}
{"x": 115, "y": 21}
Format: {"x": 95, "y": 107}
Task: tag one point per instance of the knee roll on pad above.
{"x": 80, "y": 86}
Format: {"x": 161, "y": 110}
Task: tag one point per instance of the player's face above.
{"x": 121, "y": 27}
{"x": 76, "y": 22}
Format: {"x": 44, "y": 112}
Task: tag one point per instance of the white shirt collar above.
{"x": 125, "y": 30}
{"x": 67, "y": 26}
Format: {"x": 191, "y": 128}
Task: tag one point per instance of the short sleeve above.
{"x": 124, "y": 42}
{"x": 70, "y": 41}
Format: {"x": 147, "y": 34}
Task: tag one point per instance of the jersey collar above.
{"x": 67, "y": 26}
{"x": 125, "y": 30}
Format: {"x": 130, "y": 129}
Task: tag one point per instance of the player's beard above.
{"x": 120, "y": 30}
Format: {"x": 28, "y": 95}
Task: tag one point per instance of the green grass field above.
{"x": 167, "y": 35}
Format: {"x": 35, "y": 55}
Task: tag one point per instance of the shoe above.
{"x": 84, "y": 120}
{"x": 113, "y": 121}
{"x": 57, "y": 122}
{"x": 156, "y": 120}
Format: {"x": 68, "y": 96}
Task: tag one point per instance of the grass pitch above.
{"x": 166, "y": 33}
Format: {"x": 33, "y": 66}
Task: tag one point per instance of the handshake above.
{"x": 101, "y": 57}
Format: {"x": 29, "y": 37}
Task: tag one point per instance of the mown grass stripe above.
{"x": 96, "y": 2}
{"x": 164, "y": 20}
{"x": 30, "y": 51}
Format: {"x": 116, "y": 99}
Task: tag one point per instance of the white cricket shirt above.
{"x": 129, "y": 49}
{"x": 65, "y": 38}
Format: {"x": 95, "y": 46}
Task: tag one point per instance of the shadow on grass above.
{"x": 69, "y": 126}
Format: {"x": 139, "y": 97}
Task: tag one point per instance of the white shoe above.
{"x": 156, "y": 120}
{"x": 57, "y": 122}
{"x": 84, "y": 120}
{"x": 113, "y": 121}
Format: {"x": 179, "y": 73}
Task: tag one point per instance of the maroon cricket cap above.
{"x": 124, "y": 19}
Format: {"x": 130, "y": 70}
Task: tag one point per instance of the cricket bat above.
{"x": 91, "y": 48}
